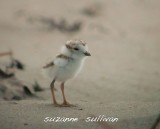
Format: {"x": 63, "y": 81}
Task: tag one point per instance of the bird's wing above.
{"x": 61, "y": 60}
{"x": 48, "y": 65}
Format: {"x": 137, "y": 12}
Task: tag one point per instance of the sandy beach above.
{"x": 121, "y": 79}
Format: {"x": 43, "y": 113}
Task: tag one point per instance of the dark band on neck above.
{"x": 63, "y": 56}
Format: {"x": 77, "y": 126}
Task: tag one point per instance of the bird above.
{"x": 67, "y": 65}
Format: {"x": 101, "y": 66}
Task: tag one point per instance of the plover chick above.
{"x": 67, "y": 65}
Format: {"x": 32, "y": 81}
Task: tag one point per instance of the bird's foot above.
{"x": 56, "y": 105}
{"x": 66, "y": 104}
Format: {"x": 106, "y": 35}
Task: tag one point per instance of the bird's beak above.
{"x": 87, "y": 54}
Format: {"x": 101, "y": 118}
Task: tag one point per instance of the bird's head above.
{"x": 77, "y": 47}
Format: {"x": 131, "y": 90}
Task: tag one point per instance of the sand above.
{"x": 120, "y": 79}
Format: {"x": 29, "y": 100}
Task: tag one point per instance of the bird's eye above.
{"x": 76, "y": 49}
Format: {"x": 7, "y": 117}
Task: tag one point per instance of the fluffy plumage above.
{"x": 67, "y": 64}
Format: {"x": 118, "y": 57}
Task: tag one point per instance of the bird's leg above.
{"x": 64, "y": 98}
{"x": 65, "y": 103}
{"x": 52, "y": 91}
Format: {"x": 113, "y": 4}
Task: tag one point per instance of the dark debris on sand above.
{"x": 37, "y": 87}
{"x": 16, "y": 63}
{"x": 4, "y": 75}
{"x": 11, "y": 88}
{"x": 51, "y": 24}
{"x": 92, "y": 10}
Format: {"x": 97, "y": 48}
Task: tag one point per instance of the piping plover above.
{"x": 67, "y": 65}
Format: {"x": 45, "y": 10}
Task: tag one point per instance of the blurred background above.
{"x": 121, "y": 76}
